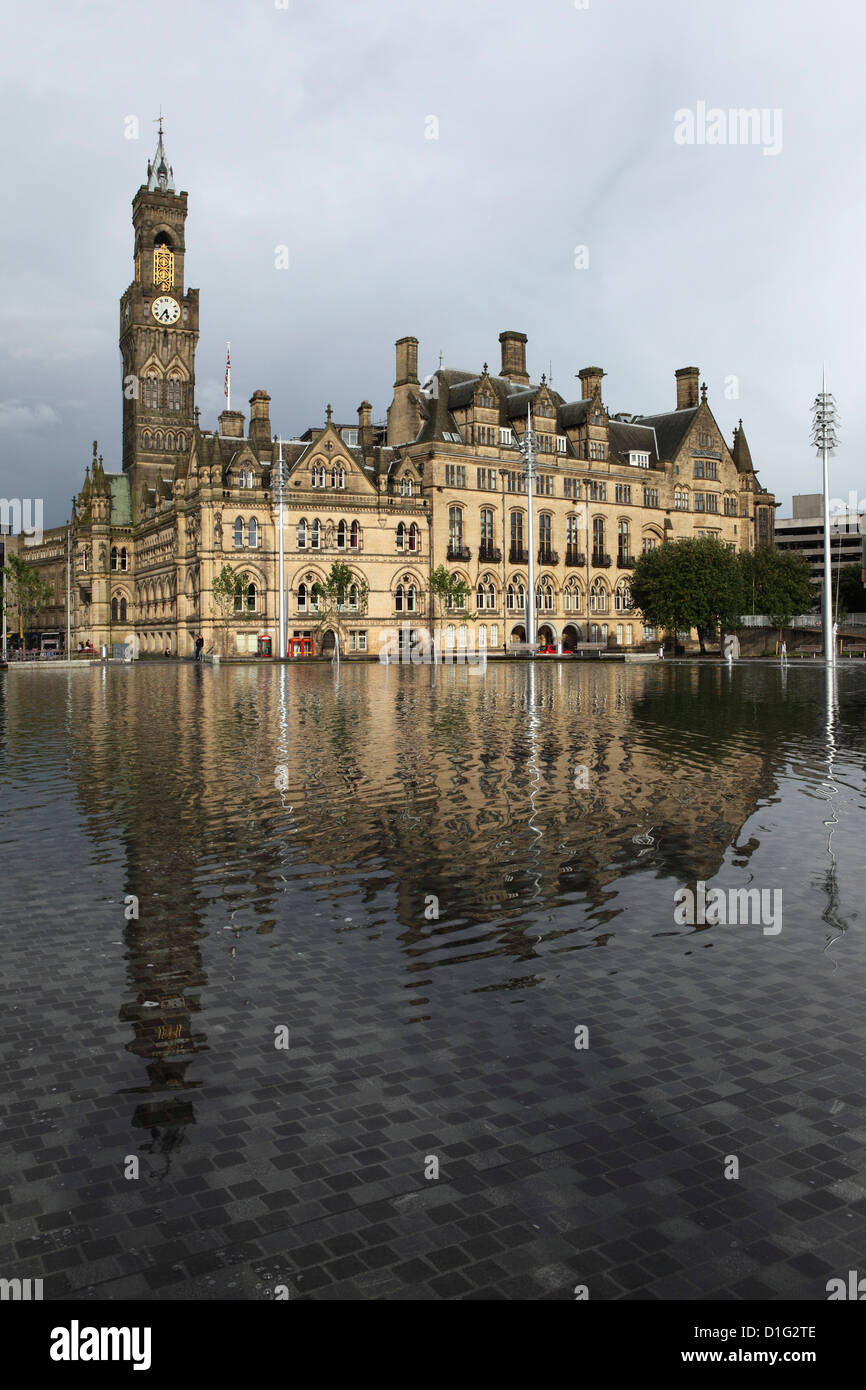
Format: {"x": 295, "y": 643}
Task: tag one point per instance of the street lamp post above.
{"x": 824, "y": 439}
{"x": 527, "y": 449}
{"x": 280, "y": 489}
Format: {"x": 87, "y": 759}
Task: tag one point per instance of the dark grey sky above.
{"x": 306, "y": 126}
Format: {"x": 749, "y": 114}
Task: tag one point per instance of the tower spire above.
{"x": 160, "y": 175}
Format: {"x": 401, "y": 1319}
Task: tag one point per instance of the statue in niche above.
{"x": 218, "y": 530}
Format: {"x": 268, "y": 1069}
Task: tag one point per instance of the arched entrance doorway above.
{"x": 546, "y": 636}
{"x": 571, "y": 635}
{"x": 328, "y": 643}
{"x": 518, "y": 634}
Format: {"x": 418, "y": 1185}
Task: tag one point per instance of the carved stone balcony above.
{"x": 458, "y": 552}
{"x": 600, "y": 562}
{"x": 517, "y": 556}
{"x": 574, "y": 559}
{"x": 625, "y": 562}
{"x": 546, "y": 556}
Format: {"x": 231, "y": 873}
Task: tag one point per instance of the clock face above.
{"x": 165, "y": 309}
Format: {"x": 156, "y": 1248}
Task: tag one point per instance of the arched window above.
{"x": 181, "y": 441}
{"x": 247, "y": 601}
{"x": 114, "y": 610}
{"x": 174, "y": 393}
{"x": 597, "y": 538}
{"x": 356, "y": 536}
{"x": 316, "y": 534}
{"x": 457, "y": 601}
{"x": 485, "y": 595}
{"x": 572, "y": 532}
{"x": 516, "y": 598}
{"x": 516, "y": 533}
{"x": 146, "y": 440}
{"x": 151, "y": 392}
{"x": 169, "y": 440}
{"x": 302, "y": 534}
{"x": 124, "y": 558}
{"x": 623, "y": 540}
{"x": 302, "y": 598}
{"x": 406, "y": 487}
{"x": 353, "y": 598}
{"x": 544, "y": 531}
{"x": 114, "y": 557}
{"x": 341, "y": 535}
{"x": 334, "y": 476}
{"x": 622, "y": 597}
{"x": 597, "y": 597}
{"x": 544, "y": 596}
{"x": 401, "y": 536}
{"x": 571, "y": 597}
{"x": 411, "y": 598}
{"x": 157, "y": 440}
{"x": 486, "y": 528}
{"x": 239, "y": 533}
{"x": 455, "y": 529}
{"x": 399, "y": 598}
{"x": 342, "y": 477}
{"x": 414, "y": 538}
{"x": 253, "y": 533}
{"x": 123, "y": 610}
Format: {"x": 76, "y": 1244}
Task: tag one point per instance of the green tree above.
{"x": 777, "y": 584}
{"x": 692, "y": 583}
{"x": 332, "y": 596}
{"x": 26, "y": 591}
{"x": 852, "y": 591}
{"x": 229, "y": 597}
{"x": 449, "y": 596}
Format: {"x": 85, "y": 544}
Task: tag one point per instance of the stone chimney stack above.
{"x": 590, "y": 382}
{"x": 260, "y": 420}
{"x": 365, "y": 428}
{"x": 514, "y": 357}
{"x": 688, "y": 387}
{"x": 404, "y": 414}
{"x": 232, "y": 424}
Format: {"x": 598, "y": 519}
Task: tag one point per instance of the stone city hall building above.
{"x": 440, "y": 482}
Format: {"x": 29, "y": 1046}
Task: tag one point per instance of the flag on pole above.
{"x": 228, "y": 381}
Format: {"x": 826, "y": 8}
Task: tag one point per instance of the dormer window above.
{"x": 638, "y": 458}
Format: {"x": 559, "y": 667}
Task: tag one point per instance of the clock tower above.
{"x": 158, "y": 336}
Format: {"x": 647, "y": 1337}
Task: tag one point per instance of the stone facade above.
{"x": 439, "y": 483}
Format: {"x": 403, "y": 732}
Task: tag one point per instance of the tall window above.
{"x": 622, "y": 597}
{"x": 239, "y": 533}
{"x": 517, "y": 530}
{"x": 316, "y": 534}
{"x": 486, "y": 526}
{"x": 341, "y": 535}
{"x": 123, "y": 610}
{"x": 253, "y": 533}
{"x": 401, "y": 536}
{"x": 598, "y": 535}
{"x": 174, "y": 393}
{"x": 544, "y": 597}
{"x": 302, "y": 534}
{"x": 356, "y": 536}
{"x": 455, "y": 528}
{"x": 516, "y": 598}
{"x": 544, "y": 531}
{"x": 151, "y": 392}
{"x": 623, "y": 547}
{"x": 597, "y": 597}
{"x": 405, "y": 598}
{"x": 414, "y": 538}
{"x": 406, "y": 487}
{"x": 302, "y": 598}
{"x": 485, "y": 596}
{"x": 249, "y": 601}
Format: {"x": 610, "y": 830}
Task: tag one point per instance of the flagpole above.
{"x": 228, "y": 376}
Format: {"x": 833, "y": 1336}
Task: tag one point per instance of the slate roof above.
{"x": 670, "y": 429}
{"x": 627, "y": 437}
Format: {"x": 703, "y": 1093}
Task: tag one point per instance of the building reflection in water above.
{"x": 401, "y": 784}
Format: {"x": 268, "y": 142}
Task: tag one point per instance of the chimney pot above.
{"x": 514, "y": 357}
{"x": 688, "y": 379}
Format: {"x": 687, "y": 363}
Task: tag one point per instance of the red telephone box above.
{"x": 264, "y": 644}
{"x": 300, "y": 646}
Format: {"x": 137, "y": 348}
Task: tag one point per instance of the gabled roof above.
{"x": 626, "y": 438}
{"x": 670, "y": 429}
